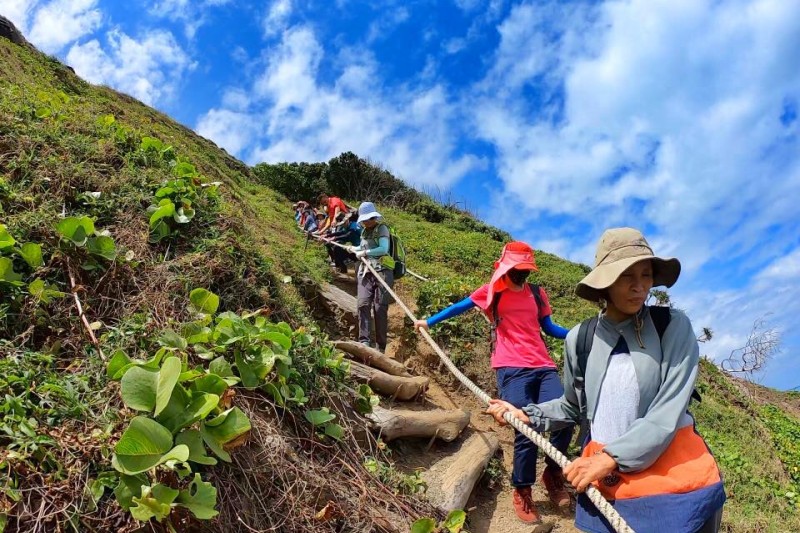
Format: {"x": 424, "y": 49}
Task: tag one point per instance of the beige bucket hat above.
{"x": 618, "y": 249}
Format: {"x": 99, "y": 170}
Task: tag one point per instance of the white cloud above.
{"x": 192, "y": 13}
{"x": 229, "y": 129}
{"x": 385, "y": 24}
{"x": 277, "y": 17}
{"x": 18, "y": 12}
{"x": 52, "y": 25}
{"x": 409, "y": 129}
{"x": 149, "y": 69}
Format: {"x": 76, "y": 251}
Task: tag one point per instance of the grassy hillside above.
{"x": 109, "y": 201}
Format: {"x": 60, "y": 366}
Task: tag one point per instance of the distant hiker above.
{"x": 347, "y": 232}
{"x": 309, "y": 220}
{"x": 526, "y": 374}
{"x": 631, "y": 373}
{"x": 372, "y": 297}
{"x": 333, "y": 206}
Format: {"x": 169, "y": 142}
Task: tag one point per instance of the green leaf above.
{"x": 43, "y": 292}
{"x": 279, "y": 338}
{"x": 102, "y": 246}
{"x": 6, "y": 240}
{"x": 223, "y": 429}
{"x": 7, "y": 273}
{"x": 335, "y": 431}
{"x": 184, "y": 170}
{"x": 31, "y": 253}
{"x": 167, "y": 209}
{"x": 151, "y": 143}
{"x": 197, "y": 451}
{"x": 221, "y": 367}
{"x": 204, "y": 301}
{"x": 454, "y": 522}
{"x": 183, "y": 215}
{"x": 145, "y": 445}
{"x": 77, "y": 230}
{"x": 139, "y": 387}
{"x": 211, "y": 384}
{"x": 104, "y": 480}
{"x": 167, "y": 379}
{"x": 200, "y": 498}
{"x": 424, "y": 525}
{"x": 170, "y": 339}
{"x": 128, "y": 488}
{"x": 159, "y": 232}
{"x": 317, "y": 417}
{"x": 119, "y": 360}
{"x": 201, "y": 405}
{"x": 155, "y": 502}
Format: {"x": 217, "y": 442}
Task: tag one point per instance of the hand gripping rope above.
{"x": 605, "y": 508}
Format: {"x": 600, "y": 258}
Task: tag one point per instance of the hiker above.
{"x": 347, "y": 232}
{"x": 310, "y": 220}
{"x": 633, "y": 383}
{"x": 372, "y": 296}
{"x": 525, "y": 372}
{"x": 333, "y": 206}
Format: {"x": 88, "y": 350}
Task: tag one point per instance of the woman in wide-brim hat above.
{"x": 525, "y": 371}
{"x": 633, "y": 384}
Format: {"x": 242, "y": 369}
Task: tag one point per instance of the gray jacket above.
{"x": 666, "y": 372}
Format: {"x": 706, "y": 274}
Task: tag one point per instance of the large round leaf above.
{"x": 223, "y": 429}
{"x": 32, "y": 254}
{"x": 197, "y": 450}
{"x": 7, "y": 273}
{"x": 102, "y": 246}
{"x": 204, "y": 301}
{"x": 163, "y": 211}
{"x": 145, "y": 445}
{"x": 201, "y": 405}
{"x": 76, "y": 229}
{"x": 200, "y": 498}
{"x": 6, "y": 240}
{"x": 145, "y": 389}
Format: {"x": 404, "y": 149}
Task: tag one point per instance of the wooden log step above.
{"x": 339, "y": 303}
{"x": 372, "y": 357}
{"x": 402, "y": 388}
{"x": 399, "y": 423}
{"x": 451, "y": 480}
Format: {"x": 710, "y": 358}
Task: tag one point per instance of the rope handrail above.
{"x": 605, "y": 508}
{"x": 331, "y": 241}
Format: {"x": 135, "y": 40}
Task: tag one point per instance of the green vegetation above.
{"x": 454, "y": 523}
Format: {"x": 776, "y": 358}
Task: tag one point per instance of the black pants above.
{"x": 339, "y": 256}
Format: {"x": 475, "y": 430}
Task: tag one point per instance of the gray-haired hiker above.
{"x": 372, "y": 297}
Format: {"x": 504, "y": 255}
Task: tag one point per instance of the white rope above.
{"x": 605, "y": 508}
{"x": 330, "y": 241}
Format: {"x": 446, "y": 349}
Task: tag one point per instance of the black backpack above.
{"x": 495, "y": 323}
{"x": 660, "y": 316}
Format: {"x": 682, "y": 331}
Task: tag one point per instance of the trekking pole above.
{"x": 408, "y": 270}
{"x": 605, "y": 508}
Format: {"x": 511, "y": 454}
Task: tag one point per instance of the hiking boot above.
{"x": 523, "y": 506}
{"x": 553, "y": 479}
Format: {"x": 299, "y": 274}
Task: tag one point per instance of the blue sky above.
{"x": 553, "y": 120}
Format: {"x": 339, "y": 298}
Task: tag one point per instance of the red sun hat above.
{"x": 516, "y": 254}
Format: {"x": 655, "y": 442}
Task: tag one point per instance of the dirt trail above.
{"x": 490, "y": 508}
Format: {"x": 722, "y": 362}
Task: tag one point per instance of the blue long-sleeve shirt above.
{"x": 546, "y": 323}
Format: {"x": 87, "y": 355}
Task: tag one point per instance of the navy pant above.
{"x": 521, "y": 387}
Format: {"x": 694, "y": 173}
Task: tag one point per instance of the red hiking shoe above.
{"x": 523, "y": 506}
{"x": 553, "y": 479}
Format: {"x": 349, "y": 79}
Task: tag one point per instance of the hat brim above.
{"x": 367, "y": 216}
{"x": 593, "y": 286}
{"x": 525, "y": 266}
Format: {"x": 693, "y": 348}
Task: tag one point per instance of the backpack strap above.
{"x": 661, "y": 317}
{"x": 583, "y": 348}
{"x": 537, "y": 295}
{"x": 495, "y": 322}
